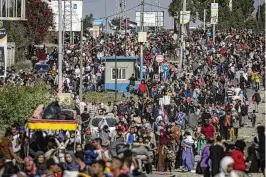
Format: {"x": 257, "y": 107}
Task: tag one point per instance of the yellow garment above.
{"x": 253, "y": 75}
{"x": 84, "y": 175}
{"x": 231, "y": 132}
{"x": 107, "y": 170}
{"x": 257, "y": 78}
{"x": 169, "y": 93}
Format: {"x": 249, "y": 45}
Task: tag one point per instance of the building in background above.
{"x": 152, "y": 20}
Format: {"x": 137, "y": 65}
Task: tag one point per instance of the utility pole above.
{"x": 141, "y": 45}
{"x": 157, "y": 16}
{"x": 60, "y": 51}
{"x": 213, "y": 30}
{"x": 142, "y": 16}
{"x": 120, "y": 23}
{"x": 182, "y": 35}
{"x": 125, "y": 28}
{"x": 81, "y": 64}
{"x": 204, "y": 21}
{"x": 126, "y": 37}
{"x": 259, "y": 16}
{"x": 116, "y": 70}
{"x": 71, "y": 32}
{"x": 64, "y": 25}
{"x": 105, "y": 9}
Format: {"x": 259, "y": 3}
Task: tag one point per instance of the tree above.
{"x": 174, "y": 11}
{"x": 116, "y": 22}
{"x": 18, "y": 36}
{"x": 176, "y": 6}
{"x": 223, "y": 10}
{"x": 245, "y": 6}
{"x": 40, "y": 20}
{"x": 260, "y": 16}
{"x": 18, "y": 103}
{"x": 87, "y": 23}
{"x": 241, "y": 12}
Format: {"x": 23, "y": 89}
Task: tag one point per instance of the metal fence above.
{"x": 11, "y": 53}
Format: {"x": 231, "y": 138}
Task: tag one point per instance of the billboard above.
{"x": 98, "y": 22}
{"x": 214, "y": 13}
{"x": 3, "y": 48}
{"x": 151, "y": 19}
{"x": 77, "y": 7}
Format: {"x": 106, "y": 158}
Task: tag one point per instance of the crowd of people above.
{"x": 175, "y": 115}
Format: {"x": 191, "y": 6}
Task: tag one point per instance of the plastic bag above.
{"x": 52, "y": 111}
{"x": 66, "y": 114}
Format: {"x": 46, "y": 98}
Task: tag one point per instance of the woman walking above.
{"x": 187, "y": 152}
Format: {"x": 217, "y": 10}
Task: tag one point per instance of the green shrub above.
{"x": 103, "y": 97}
{"x": 18, "y": 103}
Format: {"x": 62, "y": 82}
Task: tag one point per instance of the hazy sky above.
{"x": 97, "y": 8}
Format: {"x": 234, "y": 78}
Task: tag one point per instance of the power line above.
{"x": 156, "y": 6}
{"x": 160, "y": 7}
{"x": 119, "y": 12}
{"x": 84, "y": 2}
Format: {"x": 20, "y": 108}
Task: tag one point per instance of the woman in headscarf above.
{"x": 204, "y": 160}
{"x": 143, "y": 89}
{"x": 71, "y": 164}
{"x": 30, "y": 167}
{"x": 238, "y": 155}
{"x": 40, "y": 163}
{"x": 227, "y": 168}
{"x": 187, "y": 154}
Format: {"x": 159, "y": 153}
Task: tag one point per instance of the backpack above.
{"x": 86, "y": 79}
{"x": 256, "y": 97}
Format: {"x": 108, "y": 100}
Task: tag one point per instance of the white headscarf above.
{"x": 189, "y": 139}
{"x": 227, "y": 160}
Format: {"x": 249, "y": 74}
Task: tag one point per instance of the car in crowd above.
{"x": 92, "y": 130}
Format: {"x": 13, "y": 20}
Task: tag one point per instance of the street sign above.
{"x": 214, "y": 13}
{"x": 159, "y": 58}
{"x": 165, "y": 68}
{"x": 209, "y": 33}
{"x": 142, "y": 37}
{"x": 184, "y": 17}
{"x": 96, "y": 31}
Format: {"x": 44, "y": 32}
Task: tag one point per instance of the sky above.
{"x": 97, "y": 8}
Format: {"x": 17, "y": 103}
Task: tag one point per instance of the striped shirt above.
{"x": 230, "y": 93}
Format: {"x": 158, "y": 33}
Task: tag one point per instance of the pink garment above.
{"x": 38, "y": 111}
{"x": 89, "y": 106}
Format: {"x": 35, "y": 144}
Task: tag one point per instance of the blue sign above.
{"x": 209, "y": 33}
{"x": 165, "y": 68}
{"x": 75, "y": 6}
{"x": 98, "y": 22}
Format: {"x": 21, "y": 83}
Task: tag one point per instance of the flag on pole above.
{"x": 130, "y": 24}
{"x": 112, "y": 26}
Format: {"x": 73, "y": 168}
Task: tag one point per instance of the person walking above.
{"x": 236, "y": 124}
{"x": 216, "y": 154}
{"x": 256, "y": 100}
{"x": 204, "y": 160}
{"x": 238, "y": 156}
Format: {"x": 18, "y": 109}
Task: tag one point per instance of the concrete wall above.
{"x": 11, "y": 51}
{"x": 129, "y": 65}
